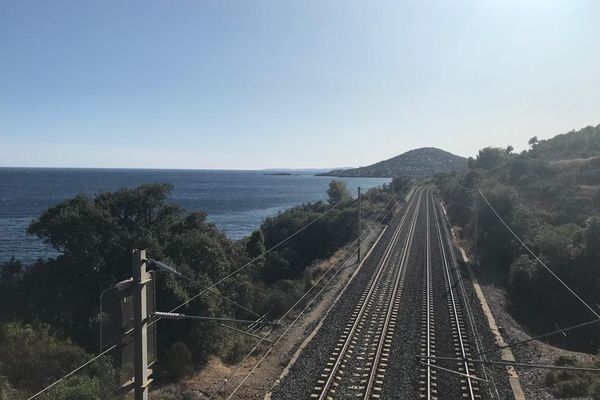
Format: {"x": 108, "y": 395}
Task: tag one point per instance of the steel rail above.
{"x": 454, "y": 310}
{"x": 524, "y": 365}
{"x": 396, "y": 291}
{"x": 492, "y": 388}
{"x": 428, "y": 292}
{"x": 324, "y": 390}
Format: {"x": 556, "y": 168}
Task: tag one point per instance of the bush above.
{"x": 175, "y": 392}
{"x": 79, "y": 387}
{"x": 7, "y": 392}
{"x": 570, "y": 388}
{"x": 564, "y": 383}
{"x": 338, "y": 191}
{"x": 544, "y": 204}
{"x": 33, "y": 357}
{"x": 177, "y": 361}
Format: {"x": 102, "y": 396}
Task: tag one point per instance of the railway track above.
{"x": 406, "y": 329}
{"x": 491, "y": 386}
{"x": 439, "y": 378}
{"x": 427, "y": 378}
{"x": 468, "y": 381}
{"x": 357, "y": 366}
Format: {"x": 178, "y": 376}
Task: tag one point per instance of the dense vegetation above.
{"x": 49, "y": 310}
{"x": 568, "y": 384}
{"x": 550, "y": 196}
{"x": 421, "y": 162}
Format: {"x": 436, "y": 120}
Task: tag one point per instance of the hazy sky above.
{"x": 253, "y": 84}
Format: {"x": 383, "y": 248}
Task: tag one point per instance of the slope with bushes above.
{"x": 550, "y": 196}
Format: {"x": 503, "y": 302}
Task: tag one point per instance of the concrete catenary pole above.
{"x": 140, "y": 324}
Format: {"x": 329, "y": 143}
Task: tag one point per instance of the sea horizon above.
{"x": 181, "y": 169}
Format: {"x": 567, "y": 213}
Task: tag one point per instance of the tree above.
{"x": 488, "y": 158}
{"x": 471, "y": 163}
{"x": 96, "y": 236}
{"x": 399, "y": 183}
{"x": 255, "y": 246}
{"x": 533, "y": 141}
{"x": 509, "y": 149}
{"x": 338, "y": 191}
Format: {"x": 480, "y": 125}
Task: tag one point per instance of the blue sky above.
{"x": 257, "y": 84}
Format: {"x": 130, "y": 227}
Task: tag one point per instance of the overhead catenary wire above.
{"x": 451, "y": 371}
{"x": 270, "y": 349}
{"x": 462, "y": 186}
{"x": 167, "y": 315}
{"x": 247, "y": 333}
{"x": 166, "y": 267}
{"x": 542, "y": 336}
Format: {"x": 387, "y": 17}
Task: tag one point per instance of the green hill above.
{"x": 425, "y": 161}
{"x": 584, "y": 143}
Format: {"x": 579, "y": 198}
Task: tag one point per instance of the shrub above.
{"x": 33, "y": 357}
{"x": 177, "y": 361}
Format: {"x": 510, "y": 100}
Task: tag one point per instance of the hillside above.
{"x": 584, "y": 143}
{"x": 550, "y": 197}
{"x": 425, "y": 161}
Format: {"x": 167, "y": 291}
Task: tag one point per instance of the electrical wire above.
{"x": 72, "y": 372}
{"x": 542, "y": 336}
{"x": 462, "y": 186}
{"x": 168, "y": 268}
{"x": 537, "y": 258}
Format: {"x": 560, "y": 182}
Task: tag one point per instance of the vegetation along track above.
{"x": 402, "y": 329}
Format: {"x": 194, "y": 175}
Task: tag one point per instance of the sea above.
{"x": 236, "y": 201}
